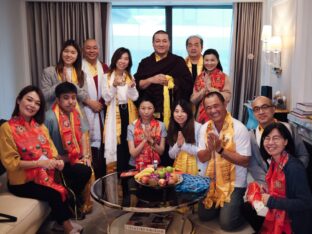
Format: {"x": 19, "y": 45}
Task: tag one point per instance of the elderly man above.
{"x": 194, "y": 60}
{"x": 95, "y": 112}
{"x": 264, "y": 112}
{"x": 224, "y": 149}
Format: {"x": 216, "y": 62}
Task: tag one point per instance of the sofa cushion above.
{"x": 30, "y": 213}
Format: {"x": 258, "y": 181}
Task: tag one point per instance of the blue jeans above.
{"x": 230, "y": 215}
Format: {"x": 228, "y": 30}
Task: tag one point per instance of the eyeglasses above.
{"x": 274, "y": 139}
{"x": 264, "y": 107}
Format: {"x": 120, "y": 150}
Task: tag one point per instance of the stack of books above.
{"x": 149, "y": 222}
{"x": 303, "y": 110}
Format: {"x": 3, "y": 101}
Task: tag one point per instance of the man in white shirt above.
{"x": 95, "y": 112}
{"x": 224, "y": 149}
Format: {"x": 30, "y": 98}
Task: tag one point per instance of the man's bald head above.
{"x": 90, "y": 50}
{"x": 261, "y": 99}
{"x": 264, "y": 110}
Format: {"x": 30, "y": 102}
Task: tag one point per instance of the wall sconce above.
{"x": 272, "y": 48}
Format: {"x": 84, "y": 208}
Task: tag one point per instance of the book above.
{"x": 299, "y": 115}
{"x": 302, "y": 112}
{"x": 304, "y": 106}
{"x": 149, "y": 222}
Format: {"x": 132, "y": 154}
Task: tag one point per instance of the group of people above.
{"x": 88, "y": 119}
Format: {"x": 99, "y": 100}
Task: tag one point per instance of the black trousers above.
{"x": 76, "y": 177}
{"x": 59, "y": 210}
{"x": 98, "y": 161}
{"x": 252, "y": 218}
{"x": 123, "y": 155}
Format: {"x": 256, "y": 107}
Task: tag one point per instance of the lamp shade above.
{"x": 266, "y": 33}
{"x": 275, "y": 44}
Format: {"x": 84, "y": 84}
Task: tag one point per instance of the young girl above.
{"x": 146, "y": 136}
{"x": 211, "y": 79}
{"x": 183, "y": 137}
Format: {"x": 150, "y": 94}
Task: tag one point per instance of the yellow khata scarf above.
{"x": 219, "y": 170}
{"x": 132, "y": 110}
{"x": 92, "y": 69}
{"x": 167, "y": 111}
{"x": 186, "y": 163}
{"x": 200, "y": 64}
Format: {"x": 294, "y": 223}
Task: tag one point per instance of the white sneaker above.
{"x": 76, "y": 226}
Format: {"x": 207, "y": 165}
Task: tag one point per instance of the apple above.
{"x": 174, "y": 177}
{"x": 162, "y": 182}
{"x": 161, "y": 174}
{"x": 169, "y": 169}
{"x": 145, "y": 179}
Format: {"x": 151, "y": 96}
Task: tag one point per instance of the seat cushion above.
{"x": 30, "y": 213}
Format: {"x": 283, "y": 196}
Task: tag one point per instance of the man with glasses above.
{"x": 264, "y": 112}
{"x": 224, "y": 152}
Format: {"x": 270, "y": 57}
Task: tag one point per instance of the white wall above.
{"x": 290, "y": 19}
{"x": 13, "y": 59}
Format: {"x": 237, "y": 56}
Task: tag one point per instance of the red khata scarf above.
{"x": 217, "y": 79}
{"x": 31, "y": 144}
{"x": 69, "y": 127}
{"x": 277, "y": 221}
{"x": 148, "y": 154}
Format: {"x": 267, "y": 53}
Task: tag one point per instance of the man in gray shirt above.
{"x": 264, "y": 112}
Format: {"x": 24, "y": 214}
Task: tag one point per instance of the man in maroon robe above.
{"x": 155, "y": 71}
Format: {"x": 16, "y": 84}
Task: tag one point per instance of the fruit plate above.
{"x": 180, "y": 180}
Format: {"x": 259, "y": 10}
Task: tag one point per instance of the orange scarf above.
{"x": 148, "y": 154}
{"x": 32, "y": 144}
{"x": 217, "y": 79}
{"x": 69, "y": 127}
{"x": 277, "y": 221}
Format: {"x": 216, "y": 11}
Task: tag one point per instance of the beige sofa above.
{"x": 30, "y": 213}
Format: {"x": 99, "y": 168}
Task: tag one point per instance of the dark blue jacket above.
{"x": 298, "y": 201}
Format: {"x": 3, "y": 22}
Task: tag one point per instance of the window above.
{"x": 133, "y": 27}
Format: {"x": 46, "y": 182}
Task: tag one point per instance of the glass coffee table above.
{"x": 127, "y": 195}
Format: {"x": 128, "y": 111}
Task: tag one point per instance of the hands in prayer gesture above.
{"x": 119, "y": 80}
{"x": 180, "y": 139}
{"x": 148, "y": 134}
{"x": 213, "y": 142}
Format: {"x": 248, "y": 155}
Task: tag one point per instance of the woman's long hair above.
{"x": 39, "y": 116}
{"x": 215, "y": 53}
{"x": 188, "y": 130}
{"x": 282, "y": 129}
{"x": 77, "y": 64}
{"x": 116, "y": 56}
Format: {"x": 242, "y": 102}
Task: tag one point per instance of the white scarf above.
{"x": 110, "y": 130}
{"x": 93, "y": 118}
